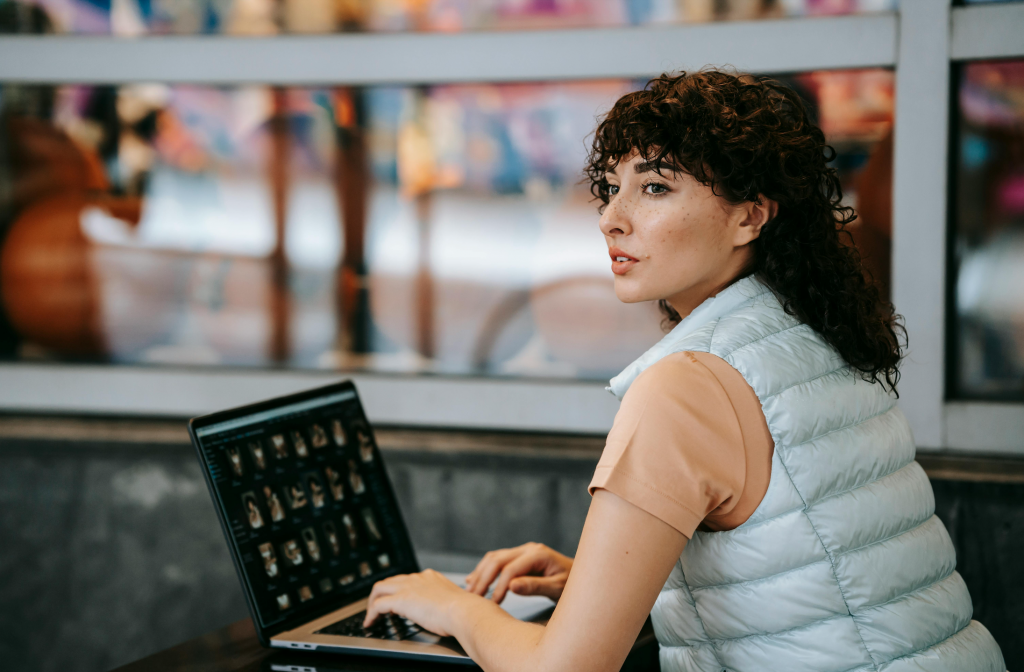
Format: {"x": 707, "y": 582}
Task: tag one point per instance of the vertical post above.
{"x": 352, "y": 181}
{"x": 920, "y": 173}
{"x": 424, "y": 278}
{"x": 417, "y": 176}
{"x": 280, "y": 292}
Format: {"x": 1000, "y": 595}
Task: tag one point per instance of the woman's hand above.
{"x": 530, "y": 569}
{"x": 427, "y": 598}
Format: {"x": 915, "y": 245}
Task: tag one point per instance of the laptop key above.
{"x": 388, "y": 626}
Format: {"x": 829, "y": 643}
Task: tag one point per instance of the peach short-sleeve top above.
{"x": 689, "y": 445}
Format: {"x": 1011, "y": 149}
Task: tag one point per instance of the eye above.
{"x": 613, "y": 189}
{"x": 655, "y": 188}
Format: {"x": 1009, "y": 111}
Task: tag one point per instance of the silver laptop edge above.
{"x": 424, "y": 645}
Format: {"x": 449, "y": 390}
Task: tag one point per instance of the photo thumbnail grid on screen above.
{"x": 309, "y": 506}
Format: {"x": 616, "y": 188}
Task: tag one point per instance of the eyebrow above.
{"x": 652, "y": 167}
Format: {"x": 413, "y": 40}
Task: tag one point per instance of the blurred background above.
{"x": 430, "y": 231}
{"x": 416, "y": 229}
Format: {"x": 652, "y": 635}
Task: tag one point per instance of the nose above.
{"x": 615, "y": 218}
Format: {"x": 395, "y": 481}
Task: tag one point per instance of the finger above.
{"x": 524, "y": 564}
{"x": 484, "y": 568}
{"x": 380, "y": 590}
{"x": 480, "y": 579}
{"x": 548, "y": 586}
{"x": 490, "y": 568}
{"x": 471, "y": 578}
{"x": 386, "y": 586}
{"x": 383, "y": 590}
{"x": 383, "y": 605}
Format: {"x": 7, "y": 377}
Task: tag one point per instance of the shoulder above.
{"x": 673, "y": 374}
{"x": 679, "y": 381}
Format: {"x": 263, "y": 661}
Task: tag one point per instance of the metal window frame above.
{"x": 932, "y": 36}
{"x": 977, "y": 32}
{"x": 921, "y": 41}
{"x": 417, "y": 400}
{"x": 987, "y": 31}
{"x": 920, "y": 164}
{"x": 519, "y": 56}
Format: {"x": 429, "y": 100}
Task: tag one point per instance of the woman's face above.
{"x": 670, "y": 237}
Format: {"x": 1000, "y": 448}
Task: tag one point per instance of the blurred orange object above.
{"x": 47, "y": 287}
{"x": 46, "y": 282}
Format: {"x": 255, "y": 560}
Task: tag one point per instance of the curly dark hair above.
{"x": 750, "y": 138}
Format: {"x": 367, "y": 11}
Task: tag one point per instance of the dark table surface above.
{"x": 234, "y": 648}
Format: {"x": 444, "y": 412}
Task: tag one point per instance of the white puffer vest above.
{"x": 843, "y": 566}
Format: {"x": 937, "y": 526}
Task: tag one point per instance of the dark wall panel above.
{"x": 113, "y": 551}
{"x": 986, "y": 523}
{"x": 107, "y": 557}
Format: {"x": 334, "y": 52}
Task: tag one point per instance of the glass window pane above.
{"x": 269, "y": 17}
{"x": 416, "y": 229}
{"x": 989, "y": 232}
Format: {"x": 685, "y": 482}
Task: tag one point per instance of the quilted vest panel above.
{"x": 843, "y": 565}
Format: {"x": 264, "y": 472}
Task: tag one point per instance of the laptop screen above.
{"x": 306, "y": 503}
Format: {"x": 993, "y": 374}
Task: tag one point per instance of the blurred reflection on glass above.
{"x": 268, "y": 17}
{"x": 855, "y": 112}
{"x": 413, "y": 229}
{"x": 480, "y": 229}
{"x": 989, "y": 234}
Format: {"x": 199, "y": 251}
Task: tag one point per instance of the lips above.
{"x": 622, "y": 262}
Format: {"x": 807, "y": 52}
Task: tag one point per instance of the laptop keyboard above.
{"x": 387, "y": 626}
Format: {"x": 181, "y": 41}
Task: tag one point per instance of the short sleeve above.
{"x": 676, "y": 447}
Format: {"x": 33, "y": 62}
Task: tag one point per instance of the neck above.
{"x": 684, "y": 302}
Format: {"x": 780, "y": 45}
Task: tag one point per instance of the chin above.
{"x": 626, "y": 292}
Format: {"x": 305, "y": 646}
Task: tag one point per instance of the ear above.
{"x": 754, "y": 216}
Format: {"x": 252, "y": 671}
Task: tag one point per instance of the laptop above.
{"x": 312, "y": 522}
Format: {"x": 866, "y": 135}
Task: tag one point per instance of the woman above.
{"x": 758, "y": 494}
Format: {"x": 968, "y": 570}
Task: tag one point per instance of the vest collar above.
{"x": 713, "y": 308}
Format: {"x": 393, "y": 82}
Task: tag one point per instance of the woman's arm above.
{"x": 624, "y": 557}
